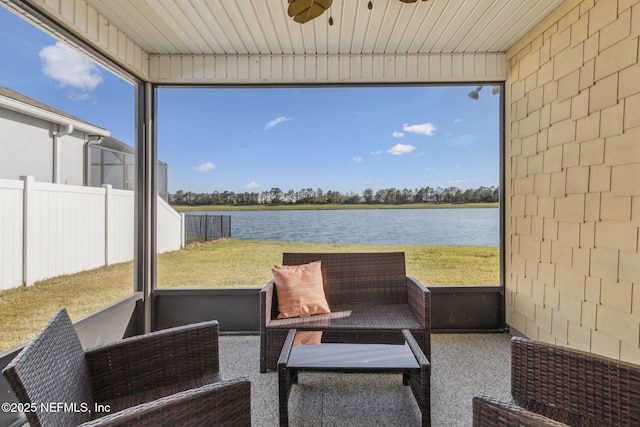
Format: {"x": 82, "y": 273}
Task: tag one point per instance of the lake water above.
{"x": 467, "y": 227}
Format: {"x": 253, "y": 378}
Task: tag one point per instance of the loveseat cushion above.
{"x": 382, "y": 316}
{"x": 300, "y": 290}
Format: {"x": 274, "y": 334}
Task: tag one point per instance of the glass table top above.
{"x": 310, "y": 352}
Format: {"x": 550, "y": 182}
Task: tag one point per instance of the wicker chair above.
{"x": 165, "y": 378}
{"x": 554, "y": 386}
{"x": 369, "y": 294}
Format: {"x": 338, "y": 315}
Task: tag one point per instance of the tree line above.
{"x": 388, "y": 196}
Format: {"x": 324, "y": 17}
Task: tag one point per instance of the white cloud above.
{"x": 422, "y": 129}
{"x": 457, "y": 181}
{"x": 69, "y": 68}
{"x": 397, "y": 134}
{"x": 458, "y": 120}
{"x": 276, "y": 122}
{"x": 358, "y": 159}
{"x": 80, "y": 96}
{"x": 204, "y": 167}
{"x": 252, "y": 185}
{"x": 377, "y": 153}
{"x": 400, "y": 149}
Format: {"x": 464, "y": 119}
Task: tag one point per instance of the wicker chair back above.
{"x": 52, "y": 370}
{"x": 359, "y": 278}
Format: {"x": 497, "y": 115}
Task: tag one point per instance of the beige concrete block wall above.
{"x": 572, "y": 179}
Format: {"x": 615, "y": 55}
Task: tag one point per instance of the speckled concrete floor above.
{"x": 463, "y": 365}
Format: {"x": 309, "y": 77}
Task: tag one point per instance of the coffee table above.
{"x": 314, "y": 351}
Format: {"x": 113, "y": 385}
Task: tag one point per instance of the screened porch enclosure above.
{"x": 152, "y": 67}
{"x": 113, "y": 163}
{"x": 569, "y": 159}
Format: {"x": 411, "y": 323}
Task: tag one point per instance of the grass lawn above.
{"x": 222, "y": 264}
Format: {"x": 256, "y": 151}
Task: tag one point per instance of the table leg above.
{"x": 420, "y": 379}
{"x": 286, "y": 377}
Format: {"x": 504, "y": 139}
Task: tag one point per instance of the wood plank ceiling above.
{"x": 256, "y": 42}
{"x": 262, "y": 27}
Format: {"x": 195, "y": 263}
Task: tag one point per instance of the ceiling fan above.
{"x": 305, "y": 10}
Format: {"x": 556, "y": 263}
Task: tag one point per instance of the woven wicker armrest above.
{"x": 150, "y": 361}
{"x": 267, "y": 299}
{"x": 225, "y": 403}
{"x": 573, "y": 386}
{"x": 266, "y": 306}
{"x": 490, "y": 412}
{"x": 419, "y": 299}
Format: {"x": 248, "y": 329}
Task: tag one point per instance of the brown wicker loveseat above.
{"x": 168, "y": 378}
{"x": 370, "y": 297}
{"x": 554, "y": 386}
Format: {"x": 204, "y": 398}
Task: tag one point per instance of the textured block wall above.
{"x": 572, "y": 172}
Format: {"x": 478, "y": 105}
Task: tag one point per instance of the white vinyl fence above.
{"x": 48, "y": 230}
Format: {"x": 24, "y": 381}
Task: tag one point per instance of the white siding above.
{"x": 71, "y": 159}
{"x": 26, "y": 147}
{"x": 401, "y": 68}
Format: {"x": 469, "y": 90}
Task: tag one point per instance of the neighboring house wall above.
{"x": 29, "y": 147}
{"x": 48, "y": 230}
{"x": 26, "y": 147}
{"x": 71, "y": 159}
{"x": 572, "y": 172}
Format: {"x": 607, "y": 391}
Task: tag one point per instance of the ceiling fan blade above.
{"x": 305, "y": 10}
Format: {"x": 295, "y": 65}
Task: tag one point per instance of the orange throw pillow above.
{"x": 300, "y": 291}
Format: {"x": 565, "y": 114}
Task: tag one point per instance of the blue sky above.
{"x": 237, "y": 139}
